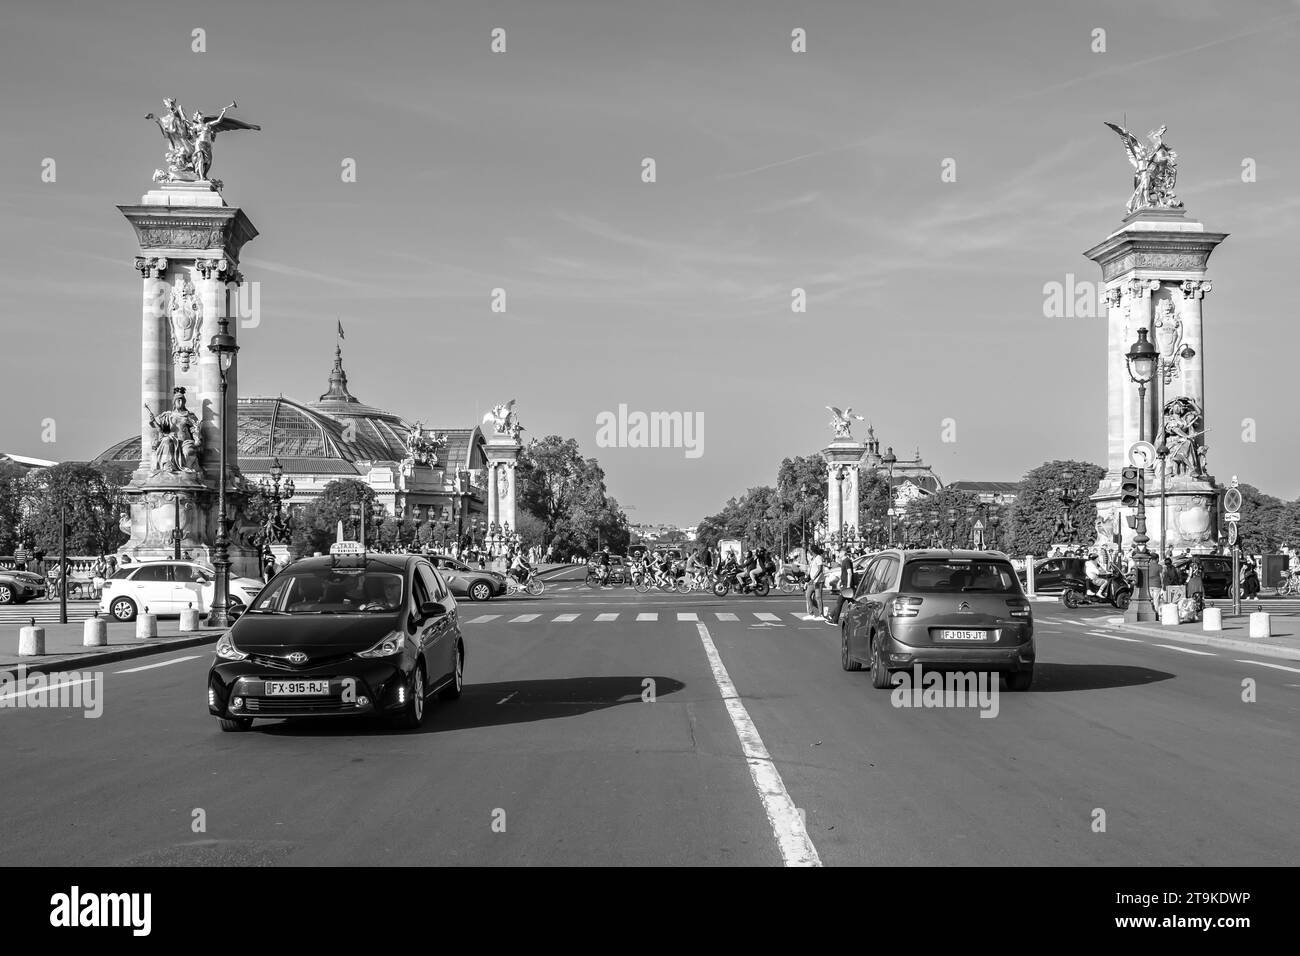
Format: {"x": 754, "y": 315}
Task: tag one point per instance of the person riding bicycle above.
{"x": 520, "y": 569}
{"x": 663, "y": 570}
{"x": 695, "y": 565}
{"x": 602, "y": 566}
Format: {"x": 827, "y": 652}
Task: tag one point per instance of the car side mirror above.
{"x": 432, "y": 609}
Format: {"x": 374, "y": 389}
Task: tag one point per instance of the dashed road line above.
{"x": 1186, "y": 650}
{"x": 1116, "y": 637}
{"x": 149, "y": 667}
{"x": 1280, "y": 667}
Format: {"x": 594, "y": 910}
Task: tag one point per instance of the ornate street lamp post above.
{"x": 275, "y": 528}
{"x": 1140, "y": 607}
{"x": 358, "y": 529}
{"x": 933, "y": 515}
{"x": 1141, "y": 358}
{"x": 224, "y": 347}
{"x": 377, "y": 512}
{"x": 1162, "y": 453}
{"x": 952, "y": 527}
{"x": 889, "y": 461}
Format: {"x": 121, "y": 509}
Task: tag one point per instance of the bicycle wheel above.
{"x": 593, "y": 580}
{"x": 683, "y": 586}
{"x": 536, "y": 587}
{"x": 642, "y": 586}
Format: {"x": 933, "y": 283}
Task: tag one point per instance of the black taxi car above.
{"x": 344, "y": 634}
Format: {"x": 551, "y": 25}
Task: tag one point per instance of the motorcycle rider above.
{"x": 1098, "y": 578}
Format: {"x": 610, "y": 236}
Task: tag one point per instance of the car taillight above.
{"x": 1018, "y": 607}
{"x": 905, "y": 607}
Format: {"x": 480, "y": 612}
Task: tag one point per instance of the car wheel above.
{"x": 457, "y": 686}
{"x": 6, "y": 594}
{"x": 879, "y": 672}
{"x": 412, "y": 715}
{"x": 122, "y": 609}
{"x": 846, "y": 660}
{"x": 235, "y": 725}
{"x": 1020, "y": 680}
{"x": 480, "y": 591}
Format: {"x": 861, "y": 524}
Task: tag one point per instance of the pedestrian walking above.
{"x": 813, "y": 591}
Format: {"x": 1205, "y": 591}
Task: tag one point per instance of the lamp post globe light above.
{"x": 224, "y": 347}
{"x": 1141, "y": 359}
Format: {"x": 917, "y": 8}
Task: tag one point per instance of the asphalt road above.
{"x": 553, "y": 756}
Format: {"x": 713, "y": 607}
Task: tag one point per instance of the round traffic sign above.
{"x": 1141, "y": 454}
{"x": 1232, "y": 500}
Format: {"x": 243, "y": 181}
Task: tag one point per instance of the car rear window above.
{"x": 936, "y": 575}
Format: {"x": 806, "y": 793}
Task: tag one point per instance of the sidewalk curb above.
{"x": 1209, "y": 640}
{"x": 47, "y": 663}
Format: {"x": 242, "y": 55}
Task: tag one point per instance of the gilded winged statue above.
{"x": 1155, "y": 170}
{"x": 842, "y": 422}
{"x": 189, "y": 141}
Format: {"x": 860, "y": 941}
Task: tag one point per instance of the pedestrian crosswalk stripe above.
{"x": 564, "y": 618}
{"x": 766, "y": 616}
{"x": 483, "y": 618}
{"x": 606, "y": 617}
{"x": 524, "y": 618}
{"x": 804, "y": 616}
{"x": 726, "y": 616}
{"x": 687, "y": 616}
{"x": 647, "y": 616}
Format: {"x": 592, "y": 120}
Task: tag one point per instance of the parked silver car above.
{"x": 941, "y": 609}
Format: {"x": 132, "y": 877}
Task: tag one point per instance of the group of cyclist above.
{"x": 701, "y": 568}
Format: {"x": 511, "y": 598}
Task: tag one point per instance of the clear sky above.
{"x": 775, "y": 170}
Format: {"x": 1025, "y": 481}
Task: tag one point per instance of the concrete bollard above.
{"x": 31, "y": 640}
{"x": 1169, "y": 613}
{"x": 146, "y": 624}
{"x": 189, "y": 619}
{"x": 94, "y": 633}
{"x": 1213, "y": 619}
{"x": 1261, "y": 624}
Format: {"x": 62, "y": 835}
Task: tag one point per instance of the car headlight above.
{"x": 392, "y": 644}
{"x": 227, "y": 650}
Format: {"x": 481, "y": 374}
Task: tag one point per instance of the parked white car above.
{"x": 166, "y": 588}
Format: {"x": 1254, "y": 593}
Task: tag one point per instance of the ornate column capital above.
{"x": 235, "y": 276}
{"x": 1113, "y": 297}
{"x": 207, "y": 267}
{"x": 1140, "y": 288}
{"x": 1196, "y": 288}
{"x": 150, "y": 268}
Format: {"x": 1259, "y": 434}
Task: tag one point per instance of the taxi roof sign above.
{"x": 347, "y": 547}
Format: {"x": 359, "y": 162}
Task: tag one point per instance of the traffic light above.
{"x": 1128, "y": 487}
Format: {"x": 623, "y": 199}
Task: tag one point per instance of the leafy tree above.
{"x": 12, "y": 485}
{"x": 1030, "y": 527}
{"x": 316, "y": 530}
{"x": 93, "y": 505}
{"x": 566, "y": 493}
{"x": 1266, "y": 522}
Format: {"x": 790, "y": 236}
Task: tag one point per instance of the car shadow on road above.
{"x": 1064, "y": 677}
{"x": 492, "y": 705}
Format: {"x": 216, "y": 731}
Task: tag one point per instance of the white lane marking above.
{"x": 725, "y": 616}
{"x": 1280, "y": 667}
{"x": 648, "y": 616}
{"x": 766, "y": 616}
{"x": 524, "y": 618}
{"x": 1075, "y": 623}
{"x": 46, "y": 688}
{"x": 1116, "y": 637}
{"x": 507, "y": 697}
{"x": 787, "y": 822}
{"x": 1185, "y": 650}
{"x": 687, "y": 616}
{"x": 564, "y": 618}
{"x": 149, "y": 667}
{"x": 606, "y": 617}
{"x": 805, "y": 616}
{"x": 483, "y": 618}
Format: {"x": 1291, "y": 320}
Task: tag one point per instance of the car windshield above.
{"x": 939, "y": 575}
{"x": 376, "y": 588}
